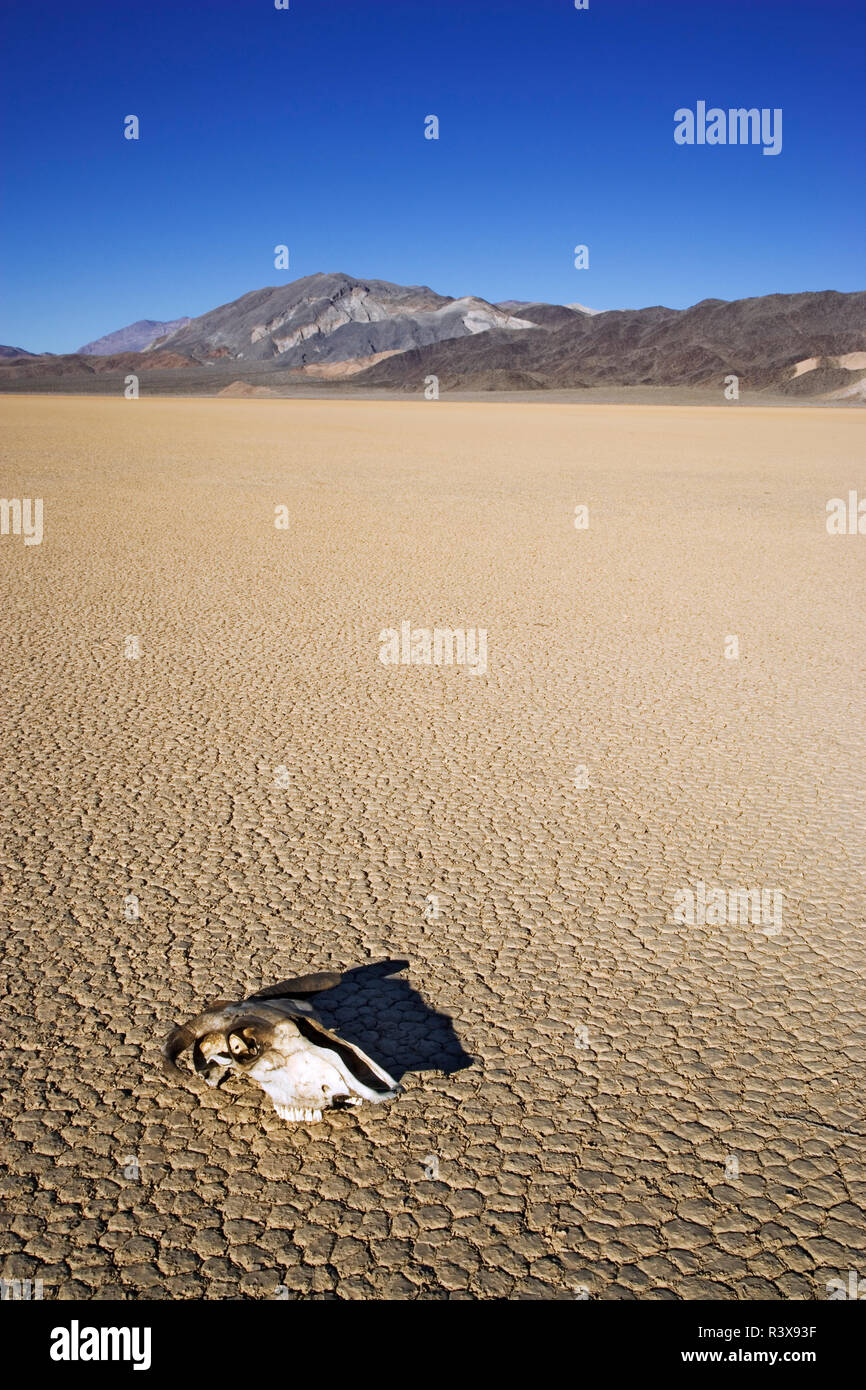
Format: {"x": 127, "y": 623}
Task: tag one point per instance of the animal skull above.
{"x": 275, "y": 1038}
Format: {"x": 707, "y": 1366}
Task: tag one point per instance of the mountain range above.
{"x": 330, "y": 327}
{"x": 136, "y": 337}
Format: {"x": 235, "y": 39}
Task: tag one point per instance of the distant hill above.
{"x": 763, "y": 341}
{"x": 15, "y": 352}
{"x": 334, "y": 318}
{"x": 136, "y": 337}
{"x": 547, "y": 315}
{"x": 540, "y": 312}
{"x": 46, "y": 370}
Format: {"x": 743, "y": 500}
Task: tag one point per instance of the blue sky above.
{"x": 306, "y": 127}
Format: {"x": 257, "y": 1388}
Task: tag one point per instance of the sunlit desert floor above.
{"x": 601, "y": 1101}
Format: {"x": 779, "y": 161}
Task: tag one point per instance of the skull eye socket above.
{"x": 243, "y": 1046}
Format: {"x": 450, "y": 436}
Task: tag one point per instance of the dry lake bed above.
{"x": 618, "y": 838}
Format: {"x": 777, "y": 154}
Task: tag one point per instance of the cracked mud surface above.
{"x": 598, "y": 1098}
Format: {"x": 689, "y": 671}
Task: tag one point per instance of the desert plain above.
{"x": 211, "y": 782}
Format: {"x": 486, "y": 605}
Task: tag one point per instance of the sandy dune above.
{"x": 244, "y": 390}
{"x": 651, "y": 1109}
{"x": 326, "y": 370}
{"x": 851, "y": 361}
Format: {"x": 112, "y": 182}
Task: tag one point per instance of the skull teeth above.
{"x": 296, "y": 1115}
